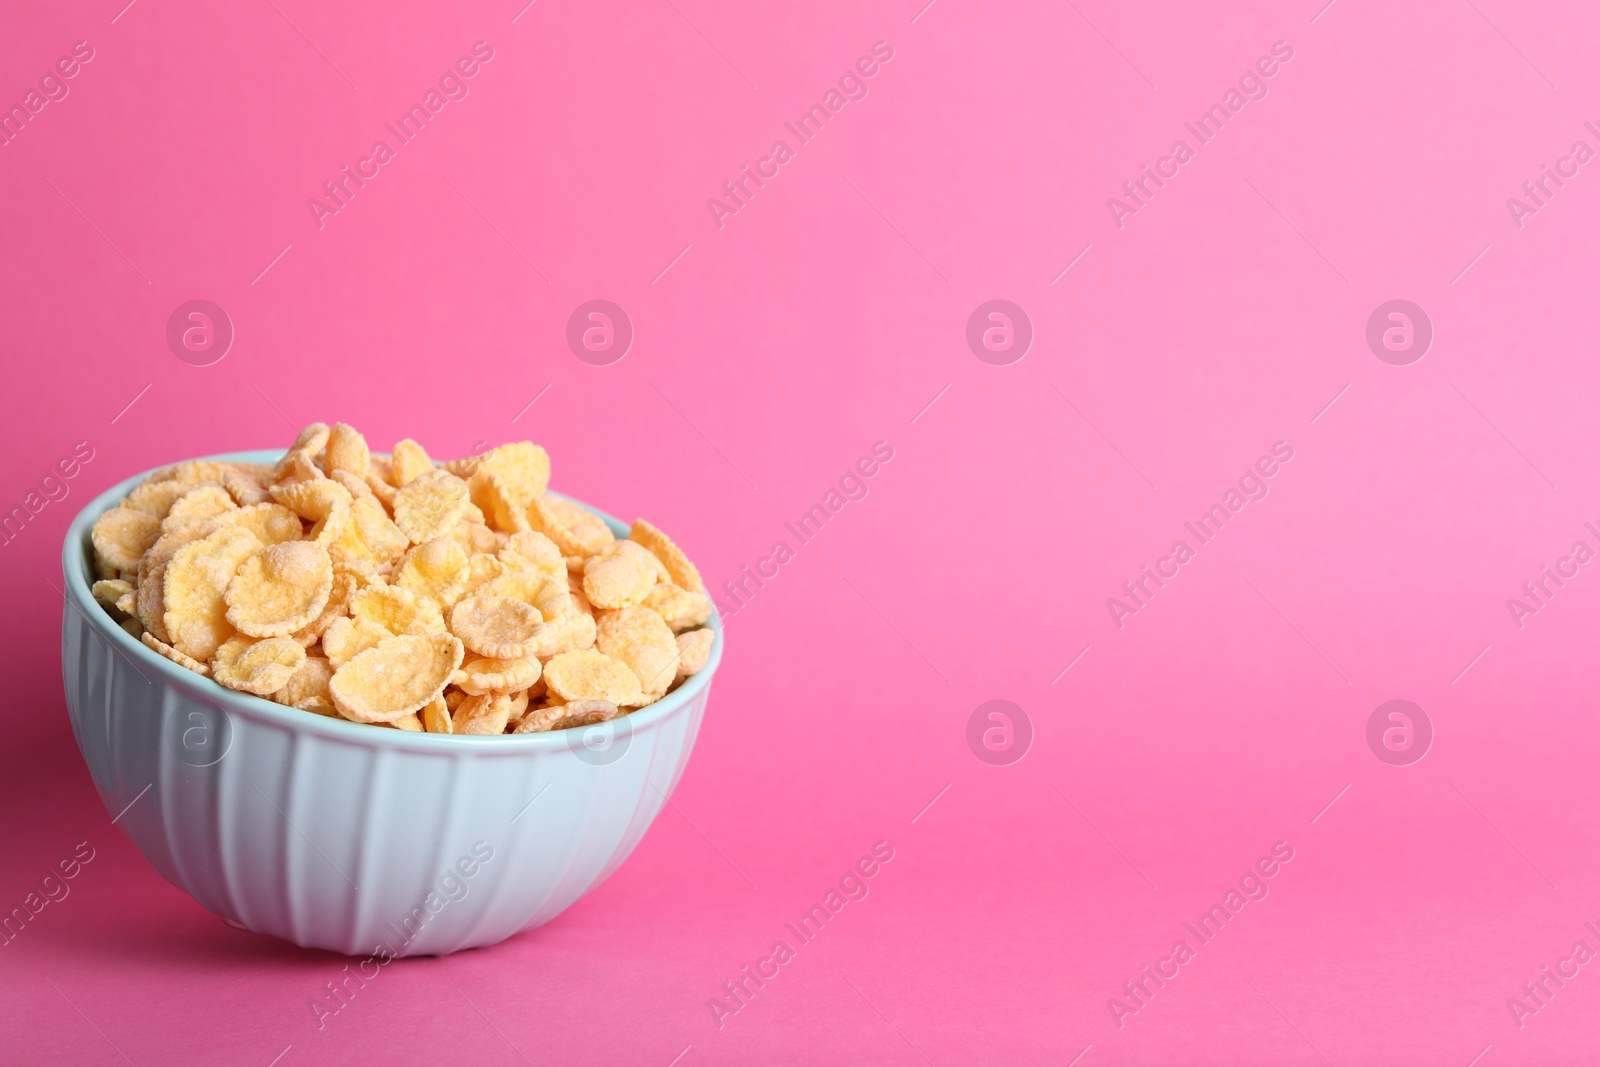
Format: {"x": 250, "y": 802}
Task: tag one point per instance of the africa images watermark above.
{"x": 452, "y": 87}
{"x": 852, "y": 886}
{"x": 852, "y": 485}
{"x": 1252, "y": 888}
{"x": 1537, "y": 993}
{"x": 1537, "y": 592}
{"x": 451, "y": 886}
{"x": 55, "y": 890}
{"x": 1252, "y": 486}
{"x": 1539, "y": 191}
{"x": 1252, "y": 86}
{"x": 52, "y": 489}
{"x": 852, "y": 86}
{"x": 53, "y": 89}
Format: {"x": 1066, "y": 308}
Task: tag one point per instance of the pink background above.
{"x": 825, "y": 316}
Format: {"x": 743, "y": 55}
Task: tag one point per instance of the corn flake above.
{"x": 679, "y": 570}
{"x": 400, "y": 611}
{"x": 347, "y": 637}
{"x": 476, "y": 537}
{"x": 313, "y": 500}
{"x": 526, "y": 586}
{"x": 307, "y": 687}
{"x": 436, "y": 569}
{"x": 679, "y": 608}
{"x": 573, "y": 632}
{"x": 578, "y": 713}
{"x": 378, "y": 532}
{"x": 364, "y": 572}
{"x": 344, "y": 587}
{"x": 152, "y": 573}
{"x": 496, "y": 626}
{"x": 280, "y": 590}
{"x": 112, "y": 593}
{"x": 381, "y": 489}
{"x": 543, "y": 519}
{"x": 540, "y": 720}
{"x": 488, "y": 713}
{"x": 370, "y": 535}
{"x": 193, "y": 586}
{"x": 408, "y": 462}
{"x": 620, "y": 576}
{"x": 155, "y": 497}
{"x": 271, "y": 523}
{"x": 308, "y": 444}
{"x": 173, "y": 654}
{"x": 435, "y": 717}
{"x": 305, "y": 468}
{"x": 567, "y": 716}
{"x": 482, "y": 569}
{"x": 123, "y": 534}
{"x": 244, "y": 489}
{"x": 639, "y": 638}
{"x": 587, "y": 530}
{"x": 197, "y": 505}
{"x": 398, "y": 677}
{"x": 694, "y": 651}
{"x": 147, "y": 602}
{"x": 485, "y": 674}
{"x": 194, "y": 472}
{"x": 523, "y": 469}
{"x": 357, "y": 487}
{"x": 533, "y": 552}
{"x": 430, "y": 506}
{"x": 259, "y": 667}
{"x": 347, "y": 451}
{"x": 591, "y": 674}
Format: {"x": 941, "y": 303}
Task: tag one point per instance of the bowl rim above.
{"x": 77, "y": 569}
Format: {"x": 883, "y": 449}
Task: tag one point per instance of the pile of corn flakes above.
{"x": 454, "y": 599}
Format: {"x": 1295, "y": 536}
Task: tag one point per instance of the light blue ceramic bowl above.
{"x": 346, "y": 837}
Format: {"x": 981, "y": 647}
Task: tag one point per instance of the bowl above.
{"x": 353, "y": 838}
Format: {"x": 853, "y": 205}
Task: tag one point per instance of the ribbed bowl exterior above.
{"x": 351, "y": 838}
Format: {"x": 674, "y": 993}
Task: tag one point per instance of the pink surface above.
{"x": 1228, "y": 313}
